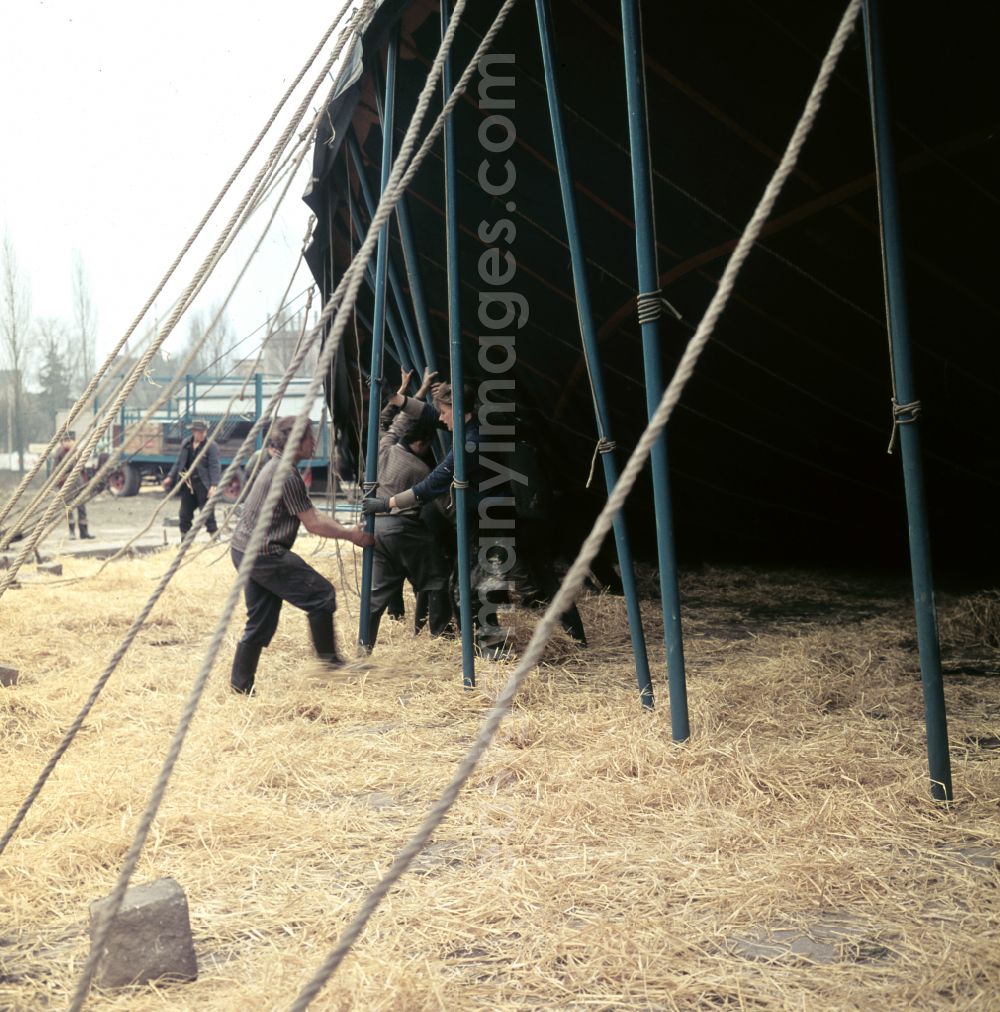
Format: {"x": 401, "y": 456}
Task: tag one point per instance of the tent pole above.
{"x": 401, "y": 344}
{"x": 378, "y": 338}
{"x": 645, "y": 250}
{"x": 591, "y": 351}
{"x": 906, "y": 409}
{"x": 413, "y": 275}
{"x": 412, "y": 265}
{"x": 394, "y": 285}
{"x": 455, "y": 365}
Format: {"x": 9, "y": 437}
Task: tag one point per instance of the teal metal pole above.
{"x": 413, "y": 274}
{"x": 455, "y": 365}
{"x": 906, "y": 410}
{"x": 413, "y": 345}
{"x": 591, "y": 348}
{"x": 401, "y": 344}
{"x": 415, "y": 278}
{"x": 378, "y": 340}
{"x": 648, "y": 276}
{"x": 387, "y": 349}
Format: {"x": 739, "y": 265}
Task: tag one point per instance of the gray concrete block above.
{"x": 51, "y": 568}
{"x": 171, "y": 521}
{"x": 827, "y": 938}
{"x": 149, "y": 939}
{"x": 8, "y": 676}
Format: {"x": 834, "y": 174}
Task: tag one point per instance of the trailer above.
{"x": 230, "y": 405}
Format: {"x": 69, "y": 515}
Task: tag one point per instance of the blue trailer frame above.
{"x": 227, "y": 425}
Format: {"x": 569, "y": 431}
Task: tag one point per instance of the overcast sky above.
{"x": 121, "y": 121}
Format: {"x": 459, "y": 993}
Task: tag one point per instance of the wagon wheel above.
{"x": 124, "y": 481}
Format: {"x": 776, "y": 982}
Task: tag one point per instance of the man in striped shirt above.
{"x": 278, "y": 574}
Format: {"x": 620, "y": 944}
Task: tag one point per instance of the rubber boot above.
{"x": 245, "y": 667}
{"x": 72, "y": 532}
{"x": 570, "y": 621}
{"x": 421, "y": 611}
{"x": 395, "y": 607}
{"x": 325, "y": 639}
{"x": 374, "y": 621}
{"x": 439, "y": 612}
{"x": 85, "y": 535}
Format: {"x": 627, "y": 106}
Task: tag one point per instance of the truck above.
{"x": 230, "y": 404}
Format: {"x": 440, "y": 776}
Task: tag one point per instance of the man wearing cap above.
{"x": 198, "y": 480}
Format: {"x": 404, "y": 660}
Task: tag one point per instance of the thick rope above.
{"x": 166, "y": 392}
{"x": 207, "y": 266}
{"x": 578, "y": 571}
{"x": 351, "y": 281}
{"x": 147, "y": 608}
{"x": 52, "y": 482}
{"x": 251, "y": 202}
{"x": 84, "y": 398}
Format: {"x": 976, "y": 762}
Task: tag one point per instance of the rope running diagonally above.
{"x": 113, "y": 354}
{"x": 43, "y": 525}
{"x": 85, "y": 493}
{"x": 147, "y": 608}
{"x": 342, "y": 302}
{"x": 208, "y": 264}
{"x": 578, "y": 571}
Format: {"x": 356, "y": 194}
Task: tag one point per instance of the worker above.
{"x": 198, "y": 480}
{"x": 278, "y": 574}
{"x": 405, "y": 548}
{"x": 66, "y": 447}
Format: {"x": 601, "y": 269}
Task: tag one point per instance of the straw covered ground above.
{"x": 788, "y": 856}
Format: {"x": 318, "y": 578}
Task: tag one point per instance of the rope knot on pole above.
{"x": 603, "y": 446}
{"x": 369, "y": 488}
{"x": 650, "y": 306}
{"x": 903, "y": 414}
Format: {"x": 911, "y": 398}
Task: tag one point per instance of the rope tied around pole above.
{"x": 460, "y": 484}
{"x": 603, "y": 446}
{"x": 903, "y": 414}
{"x": 368, "y": 488}
{"x": 573, "y": 580}
{"x": 650, "y": 306}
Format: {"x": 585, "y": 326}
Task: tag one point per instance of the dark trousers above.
{"x": 405, "y": 549}
{"x": 193, "y": 497}
{"x": 81, "y": 515}
{"x": 81, "y": 507}
{"x": 275, "y": 579}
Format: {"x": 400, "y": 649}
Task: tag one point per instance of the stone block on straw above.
{"x": 150, "y": 938}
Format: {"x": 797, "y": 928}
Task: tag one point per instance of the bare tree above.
{"x": 195, "y": 330}
{"x": 287, "y": 331}
{"x": 83, "y": 362}
{"x": 15, "y": 337}
{"x": 216, "y": 341}
{"x": 55, "y": 369}
{"x": 219, "y": 342}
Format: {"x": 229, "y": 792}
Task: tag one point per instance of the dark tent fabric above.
{"x": 778, "y": 447}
